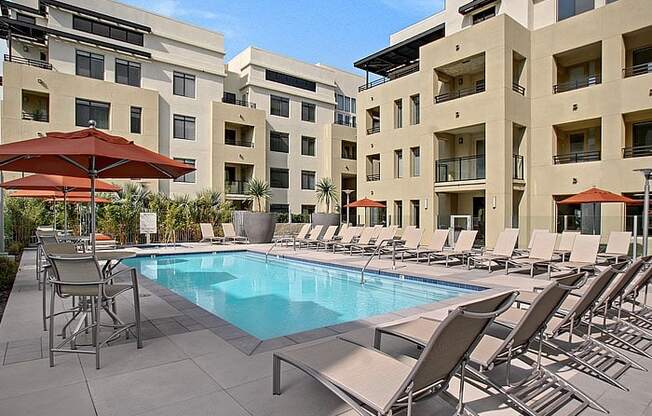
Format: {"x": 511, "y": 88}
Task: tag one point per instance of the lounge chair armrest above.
{"x": 62, "y": 283}
{"x": 505, "y": 307}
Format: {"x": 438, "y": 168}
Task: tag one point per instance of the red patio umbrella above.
{"x": 596, "y": 196}
{"x": 63, "y": 184}
{"x": 365, "y": 203}
{"x": 88, "y": 153}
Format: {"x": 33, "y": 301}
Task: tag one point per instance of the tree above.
{"x": 326, "y": 193}
{"x": 258, "y": 191}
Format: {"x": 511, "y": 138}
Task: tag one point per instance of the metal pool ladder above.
{"x": 374, "y": 254}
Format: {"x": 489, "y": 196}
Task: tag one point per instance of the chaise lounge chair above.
{"x": 376, "y": 384}
{"x": 460, "y": 251}
{"x": 312, "y": 238}
{"x": 566, "y": 241}
{"x": 385, "y": 236}
{"x": 541, "y": 253}
{"x": 208, "y": 234}
{"x": 583, "y": 255}
{"x": 435, "y": 245}
{"x": 230, "y": 235}
{"x": 617, "y": 247}
{"x": 410, "y": 240}
{"x": 500, "y": 254}
{"x": 347, "y": 237}
{"x": 366, "y": 236}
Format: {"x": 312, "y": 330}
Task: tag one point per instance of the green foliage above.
{"x": 326, "y": 192}
{"x": 8, "y": 270}
{"x": 15, "y": 248}
{"x": 281, "y": 217}
{"x": 22, "y": 216}
{"x": 258, "y": 191}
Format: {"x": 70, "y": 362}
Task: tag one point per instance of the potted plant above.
{"x": 259, "y": 225}
{"x": 327, "y": 195}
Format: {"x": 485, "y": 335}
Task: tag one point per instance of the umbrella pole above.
{"x": 54, "y": 216}
{"x": 93, "y": 173}
{"x": 65, "y": 214}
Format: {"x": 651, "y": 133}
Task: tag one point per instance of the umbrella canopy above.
{"x": 596, "y": 196}
{"x": 64, "y": 184}
{"x": 365, "y": 203}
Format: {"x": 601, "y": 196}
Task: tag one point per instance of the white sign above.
{"x": 148, "y": 223}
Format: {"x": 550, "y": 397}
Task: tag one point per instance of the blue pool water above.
{"x": 284, "y": 296}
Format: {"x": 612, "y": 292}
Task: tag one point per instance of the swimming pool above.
{"x": 284, "y": 296}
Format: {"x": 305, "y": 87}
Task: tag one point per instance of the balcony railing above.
{"x": 235, "y": 187}
{"x": 577, "y": 157}
{"x": 577, "y": 84}
{"x": 36, "y": 116}
{"x": 27, "y": 61}
{"x": 241, "y": 103}
{"x": 239, "y": 142}
{"x": 518, "y": 88}
{"x": 640, "y": 69}
{"x": 373, "y": 130}
{"x": 344, "y": 123}
{"x": 637, "y": 151}
{"x": 453, "y": 95}
{"x": 407, "y": 70}
{"x": 517, "y": 167}
{"x": 465, "y": 168}
{"x": 372, "y": 177}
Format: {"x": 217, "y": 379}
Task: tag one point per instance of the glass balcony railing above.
{"x": 453, "y": 95}
{"x": 465, "y": 168}
{"x": 577, "y": 157}
{"x": 235, "y": 187}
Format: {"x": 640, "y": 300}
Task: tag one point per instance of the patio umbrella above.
{"x": 596, "y": 196}
{"x": 63, "y": 184}
{"x": 89, "y": 153}
{"x": 365, "y": 203}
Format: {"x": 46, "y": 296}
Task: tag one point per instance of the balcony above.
{"x": 242, "y": 103}
{"x": 36, "y": 116}
{"x": 637, "y": 151}
{"x": 373, "y": 130}
{"x": 457, "y": 169}
{"x": 638, "y": 52}
{"x": 29, "y": 62}
{"x": 517, "y": 167}
{"x": 236, "y": 134}
{"x": 460, "y": 79}
{"x": 519, "y": 89}
{"x": 641, "y": 69}
{"x": 464, "y": 92}
{"x": 235, "y": 187}
{"x": 35, "y": 106}
{"x": 373, "y": 177}
{"x": 239, "y": 142}
{"x": 577, "y": 157}
{"x": 577, "y": 84}
{"x": 399, "y": 73}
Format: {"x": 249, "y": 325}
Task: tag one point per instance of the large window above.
{"x": 184, "y": 127}
{"x": 107, "y": 31}
{"x": 279, "y": 142}
{"x": 642, "y": 134}
{"x": 308, "y": 112}
{"x": 188, "y": 177}
{"x": 348, "y": 150}
{"x": 290, "y": 80}
{"x": 279, "y": 208}
{"x": 307, "y": 146}
{"x": 127, "y": 72}
{"x": 278, "y": 178}
{"x": 308, "y": 179}
{"x": 415, "y": 161}
{"x": 570, "y": 8}
{"x": 89, "y": 65}
{"x": 398, "y": 114}
{"x": 87, "y": 110}
{"x": 279, "y": 106}
{"x": 184, "y": 84}
{"x": 398, "y": 163}
{"x": 136, "y": 120}
{"x": 415, "y": 110}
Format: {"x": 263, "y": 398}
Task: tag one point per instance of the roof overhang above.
{"x": 400, "y": 54}
{"x": 96, "y": 15}
{"x": 474, "y": 5}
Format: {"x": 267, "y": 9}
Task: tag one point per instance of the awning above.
{"x": 474, "y": 5}
{"x": 400, "y": 54}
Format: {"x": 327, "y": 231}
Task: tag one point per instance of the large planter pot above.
{"x": 259, "y": 226}
{"x": 321, "y": 218}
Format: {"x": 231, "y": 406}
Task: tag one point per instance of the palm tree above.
{"x": 206, "y": 206}
{"x": 259, "y": 192}
{"x": 326, "y": 192}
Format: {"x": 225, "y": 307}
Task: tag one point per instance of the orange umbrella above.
{"x": 596, "y": 196}
{"x": 88, "y": 153}
{"x": 365, "y": 203}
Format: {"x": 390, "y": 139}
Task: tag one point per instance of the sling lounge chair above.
{"x": 501, "y": 253}
{"x": 410, "y": 240}
{"x": 566, "y": 240}
{"x": 583, "y": 256}
{"x": 617, "y": 247}
{"x": 312, "y": 238}
{"x": 541, "y": 253}
{"x": 329, "y": 235}
{"x": 365, "y": 238}
{"x": 384, "y": 238}
{"x": 208, "y": 234}
{"x": 461, "y": 250}
{"x": 230, "y": 235}
{"x": 346, "y": 237}
{"x": 435, "y": 245}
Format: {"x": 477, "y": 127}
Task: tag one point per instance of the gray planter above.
{"x": 321, "y": 218}
{"x": 259, "y": 226}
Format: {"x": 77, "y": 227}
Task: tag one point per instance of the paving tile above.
{"x": 230, "y": 368}
{"x": 273, "y": 344}
{"x": 349, "y": 326}
{"x": 202, "y": 342}
{"x": 147, "y": 389}
{"x": 32, "y": 376}
{"x": 228, "y": 332}
{"x": 172, "y": 329}
{"x": 68, "y": 400}
{"x": 312, "y": 335}
{"x": 216, "y": 403}
{"x": 211, "y": 321}
{"x": 246, "y": 344}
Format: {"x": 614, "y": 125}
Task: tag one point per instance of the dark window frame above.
{"x": 292, "y": 81}
{"x": 308, "y": 112}
{"x": 108, "y": 31}
{"x": 275, "y": 182}
{"x": 312, "y": 143}
{"x": 184, "y": 129}
{"x": 275, "y": 142}
{"x": 93, "y": 108}
{"x": 190, "y": 177}
{"x": 307, "y": 175}
{"x": 184, "y": 79}
{"x": 136, "y": 113}
{"x": 90, "y": 58}
{"x": 130, "y": 75}
{"x": 283, "y": 107}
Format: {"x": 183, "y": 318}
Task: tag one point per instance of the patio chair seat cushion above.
{"x": 484, "y": 352}
{"x": 91, "y": 290}
{"x": 417, "y": 330}
{"x": 369, "y": 375}
{"x": 528, "y": 297}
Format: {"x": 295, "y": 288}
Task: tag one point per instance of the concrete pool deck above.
{"x": 189, "y": 367}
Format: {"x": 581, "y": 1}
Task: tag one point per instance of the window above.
{"x": 415, "y": 161}
{"x": 279, "y": 178}
{"x": 86, "y": 110}
{"x": 348, "y": 150}
{"x": 188, "y": 177}
{"x": 570, "y": 8}
{"x": 307, "y": 146}
{"x": 136, "y": 113}
{"x": 353, "y": 105}
{"x": 484, "y": 15}
{"x": 398, "y": 114}
{"x": 398, "y": 163}
{"x": 398, "y": 213}
{"x": 415, "y": 111}
{"x": 229, "y": 97}
{"x": 307, "y": 179}
{"x": 25, "y": 18}
{"x": 89, "y": 65}
{"x": 229, "y": 136}
{"x": 279, "y": 208}
{"x": 290, "y": 80}
{"x": 308, "y": 112}
{"x": 307, "y": 211}
{"x": 279, "y": 106}
{"x": 107, "y": 31}
{"x": 642, "y": 134}
{"x": 279, "y": 142}
{"x": 184, "y": 84}
{"x": 184, "y": 127}
{"x": 127, "y": 72}
{"x": 415, "y": 214}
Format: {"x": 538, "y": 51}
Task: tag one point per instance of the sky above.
{"x": 332, "y": 32}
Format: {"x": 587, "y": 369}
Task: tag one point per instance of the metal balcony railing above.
{"x": 518, "y": 88}
{"x": 235, "y": 187}
{"x": 632, "y": 71}
{"x": 241, "y": 103}
{"x": 464, "y": 168}
{"x": 637, "y": 151}
{"x": 407, "y": 70}
{"x": 372, "y": 177}
{"x": 239, "y": 142}
{"x": 373, "y": 130}
{"x": 26, "y": 61}
{"x": 517, "y": 168}
{"x": 351, "y": 123}
{"x": 36, "y": 116}
{"x": 577, "y": 157}
{"x": 577, "y": 84}
{"x": 453, "y": 95}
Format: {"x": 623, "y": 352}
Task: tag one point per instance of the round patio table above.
{"x": 112, "y": 258}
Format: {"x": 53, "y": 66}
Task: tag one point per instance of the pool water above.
{"x": 283, "y": 296}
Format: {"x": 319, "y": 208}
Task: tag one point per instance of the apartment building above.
{"x": 486, "y": 114}
{"x": 165, "y": 85}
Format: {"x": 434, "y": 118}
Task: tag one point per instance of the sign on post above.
{"x": 148, "y": 224}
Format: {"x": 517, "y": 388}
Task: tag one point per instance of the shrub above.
{"x": 8, "y": 269}
{"x": 15, "y": 248}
